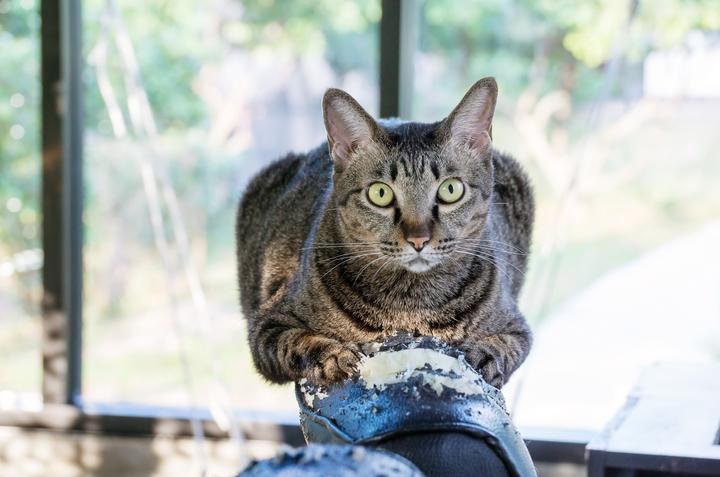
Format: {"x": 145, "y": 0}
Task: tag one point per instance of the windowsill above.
{"x": 137, "y": 420}
{"x": 544, "y": 444}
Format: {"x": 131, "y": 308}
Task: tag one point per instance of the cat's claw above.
{"x": 337, "y": 363}
{"x": 492, "y": 374}
{"x": 487, "y": 365}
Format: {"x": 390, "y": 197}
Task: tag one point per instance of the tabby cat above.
{"x": 389, "y": 226}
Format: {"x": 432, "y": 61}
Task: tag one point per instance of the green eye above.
{"x": 380, "y": 194}
{"x": 450, "y": 191}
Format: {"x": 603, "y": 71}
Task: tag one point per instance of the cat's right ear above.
{"x": 470, "y": 123}
{"x": 349, "y": 127}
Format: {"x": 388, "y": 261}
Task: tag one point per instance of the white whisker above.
{"x": 500, "y": 260}
{"x": 347, "y": 260}
{"x": 501, "y": 242}
{"x": 348, "y": 255}
{"x": 365, "y": 267}
{"x": 389, "y": 259}
{"x": 488, "y": 258}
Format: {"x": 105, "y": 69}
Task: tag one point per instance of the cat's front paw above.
{"x": 334, "y": 363}
{"x": 487, "y": 365}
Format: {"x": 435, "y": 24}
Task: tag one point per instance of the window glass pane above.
{"x": 20, "y": 219}
{"x": 614, "y": 113}
{"x": 185, "y": 102}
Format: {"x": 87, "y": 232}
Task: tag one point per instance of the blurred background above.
{"x": 612, "y": 106}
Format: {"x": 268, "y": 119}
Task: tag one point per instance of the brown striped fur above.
{"x": 322, "y": 270}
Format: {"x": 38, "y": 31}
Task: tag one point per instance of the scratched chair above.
{"x": 425, "y": 421}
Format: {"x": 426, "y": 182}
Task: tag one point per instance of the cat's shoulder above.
{"x": 508, "y": 168}
{"x": 512, "y": 184}
{"x": 285, "y": 169}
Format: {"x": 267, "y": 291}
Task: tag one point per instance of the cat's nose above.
{"x": 418, "y": 243}
{"x": 417, "y": 233}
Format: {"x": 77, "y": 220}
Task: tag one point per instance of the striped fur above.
{"x": 318, "y": 265}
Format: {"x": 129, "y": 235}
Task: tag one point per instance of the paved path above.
{"x": 664, "y": 306}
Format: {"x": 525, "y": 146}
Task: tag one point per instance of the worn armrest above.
{"x": 431, "y": 408}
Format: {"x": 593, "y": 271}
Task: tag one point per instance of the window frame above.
{"x": 62, "y": 242}
{"x": 62, "y": 208}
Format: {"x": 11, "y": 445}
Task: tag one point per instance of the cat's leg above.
{"x": 283, "y": 350}
{"x": 497, "y": 355}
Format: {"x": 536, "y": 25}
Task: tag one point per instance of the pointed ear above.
{"x": 471, "y": 121}
{"x": 349, "y": 127}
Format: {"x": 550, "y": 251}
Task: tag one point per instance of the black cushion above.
{"x": 442, "y": 454}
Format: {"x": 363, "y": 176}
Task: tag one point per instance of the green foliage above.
{"x": 511, "y": 40}
{"x": 19, "y": 129}
{"x": 171, "y": 46}
{"x": 302, "y": 26}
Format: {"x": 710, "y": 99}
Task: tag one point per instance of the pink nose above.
{"x": 418, "y": 242}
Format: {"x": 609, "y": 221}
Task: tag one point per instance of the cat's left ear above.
{"x": 350, "y": 129}
{"x": 470, "y": 122}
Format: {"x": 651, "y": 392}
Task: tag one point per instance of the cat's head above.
{"x": 411, "y": 195}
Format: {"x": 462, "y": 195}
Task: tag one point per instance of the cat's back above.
{"x": 514, "y": 192}
{"x": 513, "y": 216}
{"x": 275, "y": 215}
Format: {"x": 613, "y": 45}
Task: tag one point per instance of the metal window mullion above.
{"x": 71, "y": 33}
{"x": 54, "y": 353}
{"x": 61, "y": 119}
{"x": 398, "y": 40}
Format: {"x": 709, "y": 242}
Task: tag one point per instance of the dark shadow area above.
{"x": 447, "y": 453}
{"x": 126, "y": 456}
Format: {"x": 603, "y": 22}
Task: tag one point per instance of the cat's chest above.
{"x": 384, "y": 324}
{"x": 427, "y": 323}
{"x": 365, "y": 317}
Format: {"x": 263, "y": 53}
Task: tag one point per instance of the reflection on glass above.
{"x": 185, "y": 102}
{"x": 20, "y": 252}
{"x": 613, "y": 109}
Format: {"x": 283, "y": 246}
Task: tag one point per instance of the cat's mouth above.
{"x": 418, "y": 264}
